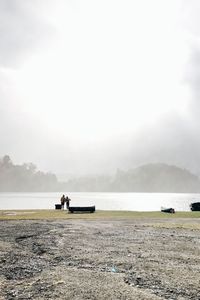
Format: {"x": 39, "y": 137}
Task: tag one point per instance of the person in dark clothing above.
{"x": 62, "y": 201}
{"x": 67, "y": 200}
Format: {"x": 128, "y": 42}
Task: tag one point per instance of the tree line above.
{"x": 24, "y": 178}
{"x": 147, "y": 178}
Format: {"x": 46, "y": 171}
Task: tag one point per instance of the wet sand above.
{"x": 100, "y": 259}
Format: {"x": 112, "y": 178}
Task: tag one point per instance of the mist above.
{"x": 91, "y": 88}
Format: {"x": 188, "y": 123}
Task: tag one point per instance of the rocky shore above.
{"x": 99, "y": 259}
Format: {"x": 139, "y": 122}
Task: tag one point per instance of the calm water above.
{"x": 103, "y": 201}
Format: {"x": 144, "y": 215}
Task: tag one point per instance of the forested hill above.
{"x": 156, "y": 178}
{"x": 147, "y": 178}
{"x": 24, "y": 178}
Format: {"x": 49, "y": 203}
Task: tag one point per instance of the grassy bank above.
{"x": 60, "y": 214}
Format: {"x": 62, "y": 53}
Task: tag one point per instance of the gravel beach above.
{"x": 99, "y": 259}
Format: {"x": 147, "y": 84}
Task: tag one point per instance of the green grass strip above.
{"x": 99, "y": 214}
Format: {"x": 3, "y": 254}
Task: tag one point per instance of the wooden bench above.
{"x": 81, "y": 209}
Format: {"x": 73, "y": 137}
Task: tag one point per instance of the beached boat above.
{"x": 82, "y": 209}
{"x": 168, "y": 210}
{"x": 195, "y": 206}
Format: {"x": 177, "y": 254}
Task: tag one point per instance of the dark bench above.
{"x": 82, "y": 209}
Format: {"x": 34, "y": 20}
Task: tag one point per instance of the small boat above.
{"x": 195, "y": 206}
{"x": 81, "y": 209}
{"x": 168, "y": 210}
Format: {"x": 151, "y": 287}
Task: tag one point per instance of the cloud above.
{"x": 190, "y": 17}
{"x": 63, "y": 76}
{"x": 24, "y": 29}
{"x": 174, "y": 139}
{"x": 21, "y": 29}
{"x": 193, "y": 79}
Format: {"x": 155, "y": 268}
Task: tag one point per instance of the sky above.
{"x": 87, "y": 87}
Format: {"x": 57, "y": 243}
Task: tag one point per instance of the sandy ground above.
{"x": 99, "y": 259}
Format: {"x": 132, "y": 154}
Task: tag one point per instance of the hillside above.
{"x": 147, "y": 178}
{"x": 156, "y": 178}
{"x": 24, "y": 178}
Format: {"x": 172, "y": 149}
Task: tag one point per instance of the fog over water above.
{"x": 102, "y": 201}
{"x": 87, "y": 87}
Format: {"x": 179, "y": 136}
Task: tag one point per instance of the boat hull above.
{"x": 168, "y": 210}
{"x": 195, "y": 206}
{"x": 81, "y": 209}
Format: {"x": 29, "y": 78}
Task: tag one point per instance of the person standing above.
{"x": 62, "y": 201}
{"x": 67, "y": 200}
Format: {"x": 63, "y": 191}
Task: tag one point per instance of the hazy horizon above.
{"x": 90, "y": 87}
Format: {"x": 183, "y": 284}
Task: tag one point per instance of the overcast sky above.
{"x": 92, "y": 86}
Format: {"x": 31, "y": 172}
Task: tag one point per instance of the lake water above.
{"x": 102, "y": 201}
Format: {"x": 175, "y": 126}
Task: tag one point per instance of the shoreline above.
{"x": 41, "y": 214}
